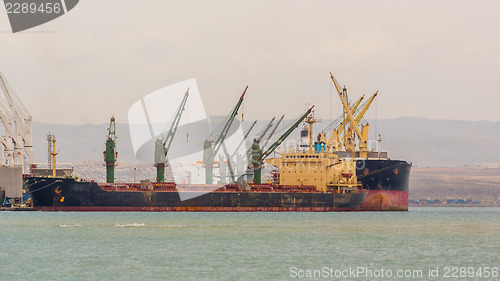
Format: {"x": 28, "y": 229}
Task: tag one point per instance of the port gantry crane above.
{"x": 162, "y": 144}
{"x": 258, "y": 156}
{"x": 348, "y": 137}
{"x": 23, "y": 139}
{"x": 6, "y": 158}
{"x": 214, "y": 142}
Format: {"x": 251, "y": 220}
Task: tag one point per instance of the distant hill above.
{"x": 424, "y": 142}
{"x": 454, "y": 183}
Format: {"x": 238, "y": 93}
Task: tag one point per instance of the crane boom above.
{"x": 353, "y": 110}
{"x": 285, "y": 135}
{"x": 342, "y": 125}
{"x": 273, "y": 131}
{"x": 363, "y": 139}
{"x": 244, "y": 138}
{"x": 169, "y": 137}
{"x": 365, "y": 108}
{"x": 212, "y": 145}
{"x": 163, "y": 143}
{"x": 269, "y": 125}
{"x": 222, "y": 136}
{"x": 336, "y": 84}
{"x": 346, "y": 108}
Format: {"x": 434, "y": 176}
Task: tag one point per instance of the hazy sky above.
{"x": 433, "y": 59}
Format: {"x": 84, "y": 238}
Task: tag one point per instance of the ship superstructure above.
{"x": 326, "y": 171}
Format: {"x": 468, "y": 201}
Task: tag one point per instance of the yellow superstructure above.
{"x": 324, "y": 170}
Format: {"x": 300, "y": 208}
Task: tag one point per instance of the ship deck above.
{"x": 172, "y": 187}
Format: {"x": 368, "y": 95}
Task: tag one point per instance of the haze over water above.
{"x": 246, "y": 246}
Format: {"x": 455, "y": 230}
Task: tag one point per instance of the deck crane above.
{"x": 262, "y": 134}
{"x": 340, "y": 122}
{"x": 162, "y": 144}
{"x": 231, "y": 171}
{"x": 243, "y": 140}
{"x": 363, "y": 140}
{"x": 7, "y": 141}
{"x": 258, "y": 139}
{"x": 348, "y": 141}
{"x": 110, "y": 153}
{"x": 214, "y": 142}
{"x": 334, "y": 142}
{"x": 230, "y": 157}
{"x": 273, "y": 131}
{"x": 23, "y": 133}
{"x": 352, "y": 124}
{"x": 258, "y": 156}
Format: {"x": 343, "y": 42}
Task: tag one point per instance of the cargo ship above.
{"x": 329, "y": 174}
{"x": 338, "y": 189}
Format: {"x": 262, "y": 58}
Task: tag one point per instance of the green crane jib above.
{"x": 162, "y": 144}
{"x": 110, "y": 154}
{"x": 258, "y": 156}
{"x": 243, "y": 140}
{"x": 259, "y": 138}
{"x": 230, "y": 157}
{"x": 273, "y": 131}
{"x": 212, "y": 145}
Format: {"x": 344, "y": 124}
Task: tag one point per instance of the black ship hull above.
{"x": 387, "y": 183}
{"x": 2, "y": 196}
{"x": 54, "y": 194}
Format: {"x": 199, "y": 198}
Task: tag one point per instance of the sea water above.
{"x": 422, "y": 244}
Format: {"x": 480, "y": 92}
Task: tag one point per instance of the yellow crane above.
{"x": 333, "y": 142}
{"x": 363, "y": 140}
{"x": 348, "y": 138}
{"x": 347, "y": 110}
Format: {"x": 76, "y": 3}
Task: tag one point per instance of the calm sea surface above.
{"x": 251, "y": 246}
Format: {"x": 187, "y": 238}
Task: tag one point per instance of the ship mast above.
{"x": 310, "y": 120}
